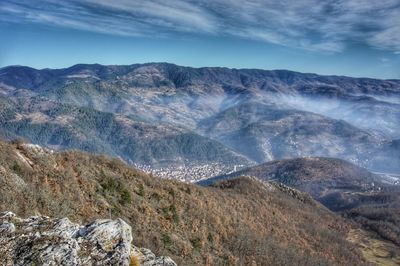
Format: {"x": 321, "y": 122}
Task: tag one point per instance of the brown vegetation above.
{"x": 374, "y": 249}
{"x": 237, "y": 222}
{"x": 380, "y": 213}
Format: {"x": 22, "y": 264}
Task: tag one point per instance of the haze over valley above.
{"x": 197, "y": 123}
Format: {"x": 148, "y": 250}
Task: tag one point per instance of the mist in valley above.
{"x": 262, "y": 121}
{"x": 376, "y": 114}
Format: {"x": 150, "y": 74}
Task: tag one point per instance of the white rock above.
{"x": 147, "y": 258}
{"x": 4, "y": 215}
{"x": 40, "y": 240}
{"x": 7, "y": 228}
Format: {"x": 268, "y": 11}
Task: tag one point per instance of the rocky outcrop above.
{"x": 40, "y": 240}
{"x": 147, "y": 258}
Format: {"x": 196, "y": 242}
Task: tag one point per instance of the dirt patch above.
{"x": 374, "y": 249}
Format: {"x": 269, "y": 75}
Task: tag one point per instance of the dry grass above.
{"x": 237, "y": 223}
{"x": 134, "y": 261}
{"x": 374, "y": 249}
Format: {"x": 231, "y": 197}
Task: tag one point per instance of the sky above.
{"x": 358, "y": 38}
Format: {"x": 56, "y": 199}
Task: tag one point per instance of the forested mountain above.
{"x": 213, "y": 120}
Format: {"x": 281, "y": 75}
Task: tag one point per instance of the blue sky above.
{"x": 342, "y": 37}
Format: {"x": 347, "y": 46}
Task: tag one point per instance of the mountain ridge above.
{"x": 197, "y": 67}
{"x": 350, "y": 118}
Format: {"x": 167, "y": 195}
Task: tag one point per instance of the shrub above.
{"x": 125, "y": 196}
{"x": 210, "y": 238}
{"x": 109, "y": 184}
{"x": 166, "y": 239}
{"x": 18, "y": 142}
{"x": 141, "y": 190}
{"x": 165, "y": 212}
{"x": 171, "y": 213}
{"x": 17, "y": 168}
{"x": 175, "y": 215}
{"x": 172, "y": 193}
{"x": 196, "y": 243}
{"x": 156, "y": 196}
{"x": 134, "y": 261}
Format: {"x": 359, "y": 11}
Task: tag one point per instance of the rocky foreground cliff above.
{"x": 40, "y": 240}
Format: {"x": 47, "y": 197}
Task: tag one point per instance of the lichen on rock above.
{"x": 40, "y": 240}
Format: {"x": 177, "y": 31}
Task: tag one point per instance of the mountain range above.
{"x": 202, "y": 122}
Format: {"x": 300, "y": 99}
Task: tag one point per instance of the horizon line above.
{"x": 202, "y": 67}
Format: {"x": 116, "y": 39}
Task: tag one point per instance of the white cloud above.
{"x": 306, "y": 24}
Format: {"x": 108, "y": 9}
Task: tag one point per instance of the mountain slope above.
{"x": 333, "y": 182}
{"x": 266, "y": 132}
{"x": 237, "y": 222}
{"x": 339, "y": 185}
{"x": 66, "y": 126}
{"x": 315, "y": 175}
{"x": 260, "y": 115}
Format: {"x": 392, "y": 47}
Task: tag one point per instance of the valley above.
{"x": 166, "y": 117}
{"x": 189, "y": 172}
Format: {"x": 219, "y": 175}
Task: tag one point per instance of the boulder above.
{"x": 40, "y": 240}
